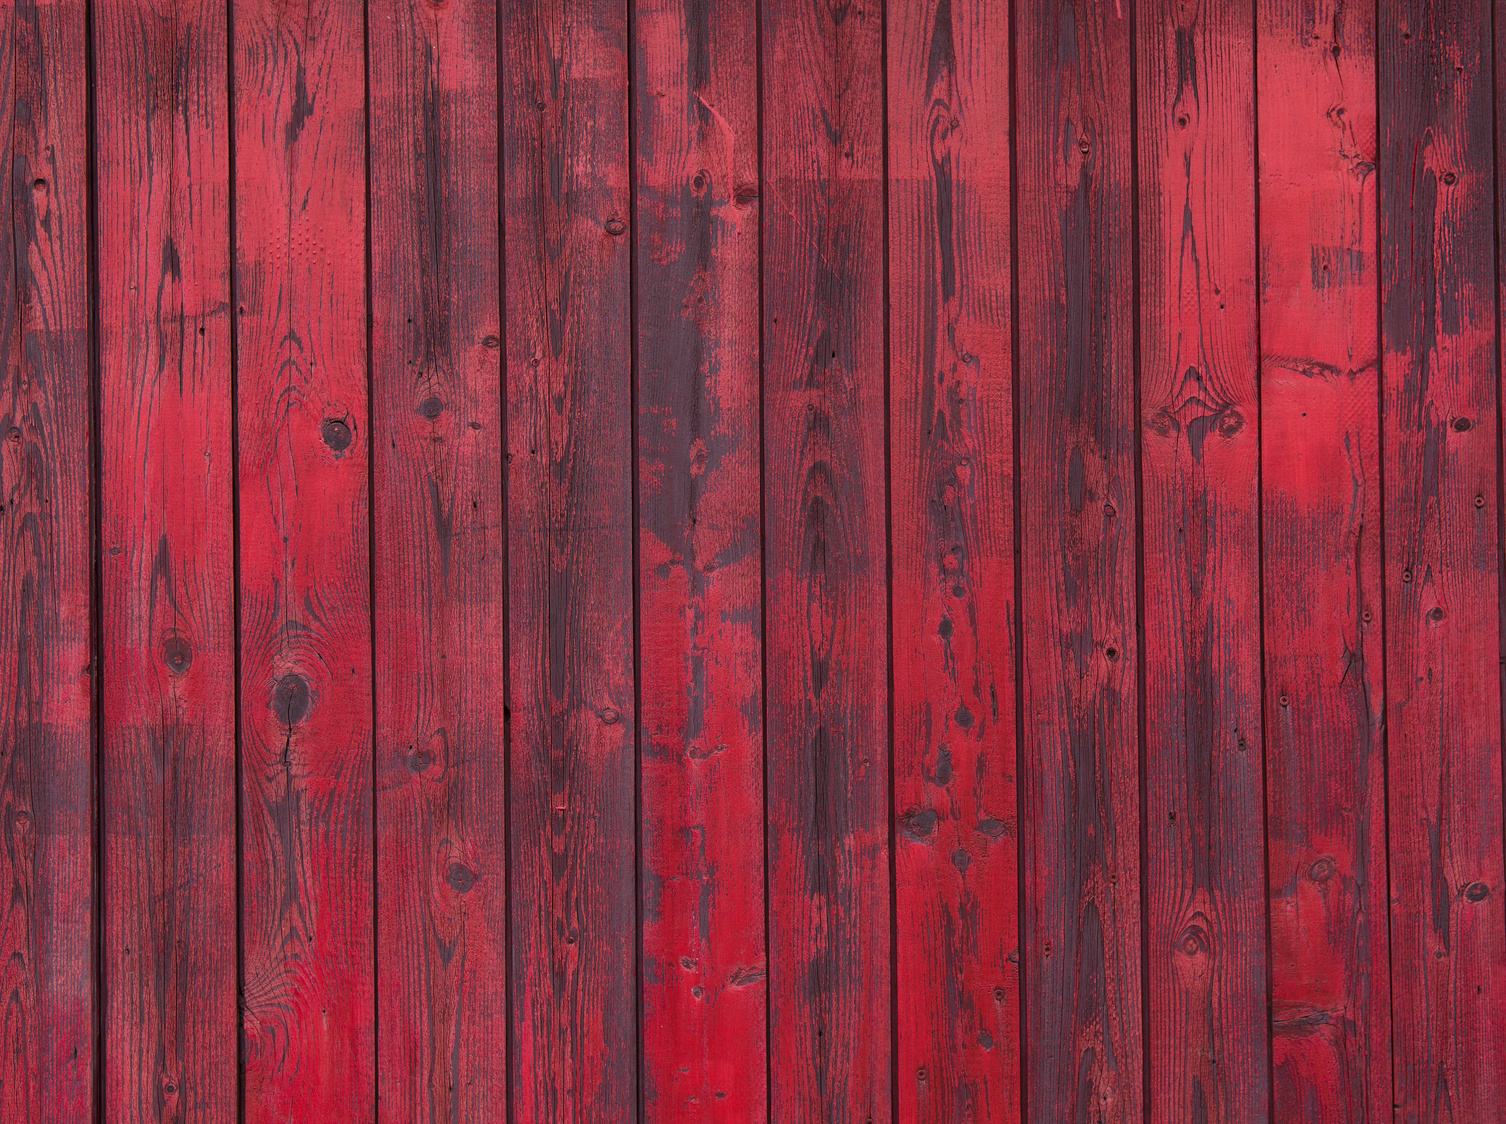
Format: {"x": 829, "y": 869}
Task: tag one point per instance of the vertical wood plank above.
{"x": 47, "y": 739}
{"x": 1320, "y": 455}
{"x": 1078, "y": 530}
{"x": 1207, "y": 1040}
{"x": 825, "y": 564}
{"x": 696, "y": 231}
{"x": 570, "y": 582}
{"x": 952, "y": 474}
{"x": 167, "y": 551}
{"x": 440, "y": 562}
{"x": 306, "y": 765}
{"x": 1440, "y": 460}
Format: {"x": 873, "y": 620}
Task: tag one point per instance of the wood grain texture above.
{"x": 695, "y": 82}
{"x": 1442, "y": 484}
{"x": 47, "y": 1001}
{"x": 306, "y": 718}
{"x": 162, "y": 113}
{"x": 825, "y": 565}
{"x": 570, "y": 526}
{"x": 1207, "y": 1044}
{"x": 951, "y": 455}
{"x": 1320, "y": 456}
{"x": 1081, "y": 784}
{"x": 440, "y": 562}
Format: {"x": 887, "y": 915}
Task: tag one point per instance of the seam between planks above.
{"x": 1017, "y": 502}
{"x": 233, "y": 280}
{"x": 371, "y": 579}
{"x": 1140, "y": 677}
{"x": 96, "y": 597}
{"x": 893, "y": 866}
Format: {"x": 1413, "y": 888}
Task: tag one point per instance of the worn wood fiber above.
{"x": 305, "y": 591}
{"x": 1081, "y": 782}
{"x": 1320, "y": 502}
{"x": 1207, "y": 1045}
{"x": 439, "y": 575}
{"x": 166, "y": 563}
{"x": 951, "y": 458}
{"x": 567, "y": 210}
{"x": 1442, "y": 576}
{"x": 49, "y": 913}
{"x": 825, "y": 562}
{"x": 696, "y": 230}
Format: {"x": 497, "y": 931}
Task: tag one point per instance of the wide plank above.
{"x": 1207, "y": 1040}
{"x": 305, "y": 595}
{"x": 825, "y": 562}
{"x": 571, "y": 686}
{"x": 1082, "y": 659}
{"x": 439, "y": 562}
{"x": 1321, "y": 492}
{"x": 167, "y": 553}
{"x": 47, "y": 922}
{"x": 1441, "y": 467}
{"x": 696, "y": 227}
{"x": 951, "y": 455}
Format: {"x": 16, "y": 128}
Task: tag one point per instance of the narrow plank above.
{"x": 569, "y": 538}
{"x": 439, "y": 562}
{"x": 1081, "y": 782}
{"x": 306, "y": 765}
{"x": 825, "y": 565}
{"x": 46, "y": 681}
{"x": 1442, "y": 487}
{"x": 695, "y": 86}
{"x": 161, "y": 104}
{"x": 1320, "y": 471}
{"x": 1207, "y": 1038}
{"x": 951, "y": 453}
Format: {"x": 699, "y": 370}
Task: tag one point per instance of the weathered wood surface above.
{"x": 951, "y": 457}
{"x": 1321, "y": 506}
{"x": 1077, "y": 526}
{"x": 701, "y": 857}
{"x": 166, "y": 562}
{"x": 440, "y": 564}
{"x": 695, "y": 560}
{"x": 308, "y": 1012}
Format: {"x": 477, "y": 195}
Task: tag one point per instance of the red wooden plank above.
{"x": 439, "y": 564}
{"x": 825, "y": 566}
{"x": 1207, "y": 1038}
{"x": 1084, "y": 1041}
{"x": 166, "y": 565}
{"x": 570, "y": 582}
{"x": 952, "y": 469}
{"x": 46, "y": 740}
{"x": 306, "y": 766}
{"x": 1320, "y": 457}
{"x": 1440, "y": 463}
{"x": 699, "y": 601}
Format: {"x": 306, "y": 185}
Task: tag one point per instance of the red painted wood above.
{"x": 162, "y": 127}
{"x": 825, "y": 567}
{"x": 439, "y": 573}
{"x": 1081, "y": 782}
{"x": 952, "y": 470}
{"x": 1442, "y": 479}
{"x": 570, "y": 582}
{"x": 306, "y": 721}
{"x": 1206, "y": 1042}
{"x": 46, "y": 683}
{"x": 700, "y": 596}
{"x": 1320, "y": 464}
